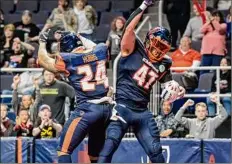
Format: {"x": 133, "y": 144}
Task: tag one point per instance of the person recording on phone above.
{"x": 201, "y": 127}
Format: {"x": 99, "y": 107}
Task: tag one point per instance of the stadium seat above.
{"x": 107, "y": 17}
{"x": 11, "y": 116}
{"x": 11, "y": 18}
{"x": 101, "y": 33}
{"x": 205, "y": 82}
{"x": 123, "y": 6}
{"x": 177, "y": 78}
{"x": 26, "y": 5}
{"x": 40, "y": 18}
{"x": 6, "y": 81}
{"x": 48, "y": 5}
{"x": 6, "y": 6}
{"x": 100, "y": 5}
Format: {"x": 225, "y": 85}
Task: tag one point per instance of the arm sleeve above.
{"x": 186, "y": 122}
{"x": 51, "y": 17}
{"x": 188, "y": 30}
{"x": 205, "y": 28}
{"x": 15, "y": 102}
{"x": 38, "y": 99}
{"x": 218, "y": 120}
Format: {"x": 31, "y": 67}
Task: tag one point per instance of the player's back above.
{"x": 88, "y": 73}
{"x": 136, "y": 76}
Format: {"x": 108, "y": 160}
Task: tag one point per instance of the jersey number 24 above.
{"x": 91, "y": 79}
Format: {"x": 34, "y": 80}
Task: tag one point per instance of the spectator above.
{"x": 63, "y": 17}
{"x": 225, "y": 87}
{"x": 228, "y": 22}
{"x": 6, "y": 123}
{"x": 177, "y": 11}
{"x": 114, "y": 37}
{"x": 23, "y": 125}
{"x": 87, "y": 18}
{"x": 53, "y": 93}
{"x": 201, "y": 127}
{"x": 185, "y": 56}
{"x": 6, "y": 43}
{"x": 28, "y": 103}
{"x": 45, "y": 127}
{"x": 214, "y": 40}
{"x": 221, "y": 4}
{"x": 22, "y": 51}
{"x": 26, "y": 85}
{"x": 166, "y": 121}
{"x": 2, "y": 22}
{"x": 27, "y": 26}
{"x": 194, "y": 26}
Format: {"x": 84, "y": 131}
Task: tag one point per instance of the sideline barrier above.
{"x": 27, "y": 150}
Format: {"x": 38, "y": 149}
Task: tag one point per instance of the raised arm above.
{"x": 128, "y": 36}
{"x": 43, "y": 56}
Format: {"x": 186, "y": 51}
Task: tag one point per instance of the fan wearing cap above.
{"x": 141, "y": 65}
{"x": 84, "y": 63}
{"x": 45, "y": 127}
{"x": 27, "y": 26}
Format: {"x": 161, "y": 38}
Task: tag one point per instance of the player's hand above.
{"x": 148, "y": 2}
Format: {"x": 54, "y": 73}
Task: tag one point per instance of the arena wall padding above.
{"x": 15, "y": 150}
{"x": 217, "y": 151}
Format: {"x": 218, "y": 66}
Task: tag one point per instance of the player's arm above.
{"x": 128, "y": 36}
{"x": 44, "y": 58}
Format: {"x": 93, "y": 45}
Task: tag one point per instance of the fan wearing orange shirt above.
{"x": 184, "y": 56}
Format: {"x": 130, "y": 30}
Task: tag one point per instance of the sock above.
{"x": 93, "y": 161}
{"x": 64, "y": 159}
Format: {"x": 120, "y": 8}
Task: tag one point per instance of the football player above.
{"x": 84, "y": 63}
{"x": 141, "y": 65}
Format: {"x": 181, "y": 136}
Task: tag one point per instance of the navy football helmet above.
{"x": 157, "y": 43}
{"x": 69, "y": 41}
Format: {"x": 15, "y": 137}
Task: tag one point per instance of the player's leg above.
{"x": 114, "y": 134}
{"x": 96, "y": 141}
{"x": 147, "y": 134}
{"x": 73, "y": 133}
{"x": 97, "y": 134}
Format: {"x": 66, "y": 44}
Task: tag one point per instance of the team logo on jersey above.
{"x": 161, "y": 68}
{"x": 89, "y": 58}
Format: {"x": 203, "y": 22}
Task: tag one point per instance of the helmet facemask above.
{"x": 156, "y": 48}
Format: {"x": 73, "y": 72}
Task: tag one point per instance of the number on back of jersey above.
{"x": 89, "y": 81}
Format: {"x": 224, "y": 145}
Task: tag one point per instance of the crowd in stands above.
{"x": 47, "y": 99}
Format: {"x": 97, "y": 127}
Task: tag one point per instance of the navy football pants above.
{"x": 89, "y": 119}
{"x": 145, "y": 130}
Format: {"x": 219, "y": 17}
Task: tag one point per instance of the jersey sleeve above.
{"x": 166, "y": 75}
{"x": 102, "y": 47}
